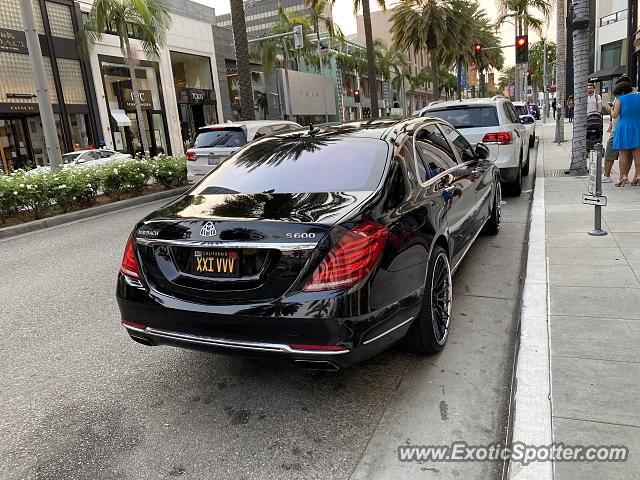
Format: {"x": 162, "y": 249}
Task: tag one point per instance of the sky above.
{"x": 343, "y": 16}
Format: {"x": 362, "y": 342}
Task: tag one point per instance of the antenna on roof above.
{"x": 313, "y": 130}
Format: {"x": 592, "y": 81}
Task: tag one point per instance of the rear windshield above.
{"x": 301, "y": 165}
{"x": 521, "y": 109}
{"x": 70, "y": 157}
{"x": 467, "y": 116}
{"x": 226, "y": 137}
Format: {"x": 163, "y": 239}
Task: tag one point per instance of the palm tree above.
{"x": 318, "y": 19}
{"x": 561, "y": 79}
{"x": 391, "y": 64}
{"x": 507, "y": 77}
{"x": 580, "y": 79}
{"x": 424, "y": 24}
{"x": 239, "y": 25}
{"x": 522, "y": 11}
{"x": 536, "y": 62}
{"x": 371, "y": 61}
{"x": 146, "y": 20}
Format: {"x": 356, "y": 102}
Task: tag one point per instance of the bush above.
{"x": 39, "y": 191}
{"x": 170, "y": 171}
{"x": 129, "y": 176}
{"x": 74, "y": 186}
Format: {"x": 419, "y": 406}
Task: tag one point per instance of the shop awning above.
{"x": 607, "y": 74}
{"x": 121, "y": 118}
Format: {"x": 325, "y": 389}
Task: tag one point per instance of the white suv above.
{"x": 495, "y": 123}
{"x": 214, "y": 143}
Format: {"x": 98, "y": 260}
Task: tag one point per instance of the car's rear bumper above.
{"x": 267, "y": 330}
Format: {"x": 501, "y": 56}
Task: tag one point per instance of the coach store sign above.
{"x": 194, "y": 96}
{"x": 13, "y": 41}
{"x": 129, "y": 100}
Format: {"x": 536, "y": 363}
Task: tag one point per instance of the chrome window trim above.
{"x": 284, "y": 247}
{"x": 234, "y": 344}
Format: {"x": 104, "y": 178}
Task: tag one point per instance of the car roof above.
{"x": 466, "y": 102}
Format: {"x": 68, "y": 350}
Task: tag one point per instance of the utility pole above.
{"x": 632, "y": 26}
{"x": 42, "y": 90}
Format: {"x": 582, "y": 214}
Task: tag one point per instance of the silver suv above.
{"x": 214, "y": 143}
{"x": 495, "y": 123}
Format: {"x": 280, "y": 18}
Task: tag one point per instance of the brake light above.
{"x": 191, "y": 156}
{"x": 501, "y": 138}
{"x": 136, "y": 326}
{"x": 129, "y": 265}
{"x": 351, "y": 259}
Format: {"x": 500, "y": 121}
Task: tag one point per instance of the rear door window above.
{"x": 295, "y": 165}
{"x": 220, "y": 137}
{"x": 434, "y": 150}
{"x": 463, "y": 147}
{"x": 466, "y": 116}
{"x": 521, "y": 110}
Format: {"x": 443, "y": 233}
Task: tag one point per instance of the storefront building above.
{"x": 70, "y": 86}
{"x": 178, "y": 90}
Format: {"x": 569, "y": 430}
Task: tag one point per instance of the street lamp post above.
{"x": 42, "y": 90}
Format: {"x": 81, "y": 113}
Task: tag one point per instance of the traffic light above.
{"x": 356, "y": 95}
{"x": 298, "y": 40}
{"x": 477, "y": 48}
{"x": 522, "y": 49}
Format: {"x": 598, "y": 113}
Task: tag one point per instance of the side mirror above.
{"x": 482, "y": 151}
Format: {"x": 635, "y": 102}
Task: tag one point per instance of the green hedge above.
{"x": 42, "y": 191}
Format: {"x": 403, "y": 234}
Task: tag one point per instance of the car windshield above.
{"x": 521, "y": 109}
{"x": 220, "y": 137}
{"x": 467, "y": 116}
{"x": 70, "y": 157}
{"x": 298, "y": 165}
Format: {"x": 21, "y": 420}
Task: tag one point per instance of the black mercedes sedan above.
{"x": 322, "y": 247}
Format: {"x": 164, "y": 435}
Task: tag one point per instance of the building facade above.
{"x": 70, "y": 82}
{"x": 261, "y": 14}
{"x": 178, "y": 90}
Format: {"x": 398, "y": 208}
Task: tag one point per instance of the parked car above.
{"x": 87, "y": 158}
{"x": 495, "y": 123}
{"x": 528, "y": 121}
{"x": 322, "y": 248}
{"x": 214, "y": 143}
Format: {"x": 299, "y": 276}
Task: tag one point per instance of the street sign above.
{"x": 594, "y": 200}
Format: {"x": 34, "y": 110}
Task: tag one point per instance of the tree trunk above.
{"x": 561, "y": 87}
{"x": 136, "y": 97}
{"x": 459, "y": 79}
{"x": 434, "y": 75}
{"x": 371, "y": 63}
{"x": 242, "y": 60}
{"x": 580, "y": 79}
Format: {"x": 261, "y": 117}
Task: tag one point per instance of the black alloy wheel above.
{"x": 430, "y": 329}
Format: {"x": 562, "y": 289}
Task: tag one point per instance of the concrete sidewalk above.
{"x": 594, "y": 317}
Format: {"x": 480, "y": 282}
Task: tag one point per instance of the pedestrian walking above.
{"x": 554, "y": 105}
{"x": 570, "y": 106}
{"x": 621, "y": 87}
{"x": 626, "y": 139}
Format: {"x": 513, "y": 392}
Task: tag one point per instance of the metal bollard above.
{"x": 595, "y": 196}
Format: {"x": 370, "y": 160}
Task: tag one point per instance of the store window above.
{"x": 11, "y": 15}
{"x": 195, "y": 96}
{"x": 60, "y": 20}
{"x": 21, "y": 78}
{"x": 122, "y": 109}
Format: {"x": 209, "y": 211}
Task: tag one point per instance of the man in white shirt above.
{"x": 594, "y": 101}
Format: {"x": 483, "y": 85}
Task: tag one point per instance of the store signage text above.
{"x": 13, "y": 41}
{"x": 18, "y": 107}
{"x": 129, "y": 100}
{"x": 194, "y": 95}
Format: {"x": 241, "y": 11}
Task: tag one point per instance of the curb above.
{"x": 531, "y": 422}
{"x": 64, "y": 218}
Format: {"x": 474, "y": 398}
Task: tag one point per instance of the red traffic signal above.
{"x": 522, "y": 49}
{"x": 356, "y": 95}
{"x": 478, "y": 47}
{"x": 529, "y": 73}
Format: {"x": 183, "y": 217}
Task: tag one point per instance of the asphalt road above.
{"x": 80, "y": 400}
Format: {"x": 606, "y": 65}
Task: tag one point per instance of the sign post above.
{"x": 595, "y": 197}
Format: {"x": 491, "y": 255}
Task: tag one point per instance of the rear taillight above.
{"x": 351, "y": 259}
{"x": 191, "y": 156}
{"x": 501, "y": 138}
{"x": 321, "y": 348}
{"x": 129, "y": 265}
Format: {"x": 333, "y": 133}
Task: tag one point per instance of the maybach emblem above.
{"x": 208, "y": 230}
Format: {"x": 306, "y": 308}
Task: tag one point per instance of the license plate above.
{"x": 214, "y": 161}
{"x": 216, "y": 263}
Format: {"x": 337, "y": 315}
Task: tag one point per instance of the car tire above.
{"x": 525, "y": 167}
{"x": 515, "y": 188}
{"x": 492, "y": 227}
{"x": 532, "y": 140}
{"x": 430, "y": 330}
